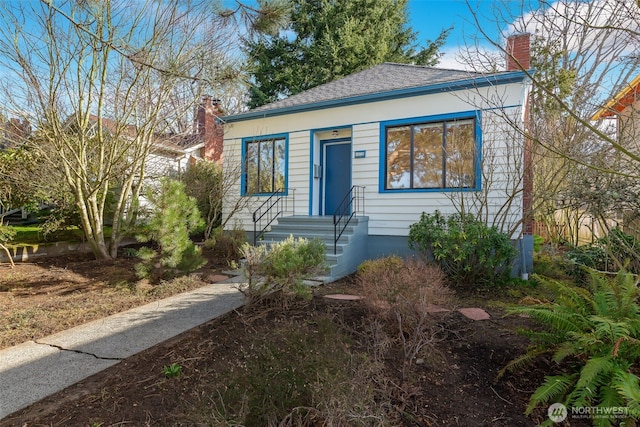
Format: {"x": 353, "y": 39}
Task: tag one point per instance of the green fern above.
{"x": 552, "y": 388}
{"x": 592, "y": 369}
{"x": 627, "y": 386}
{"x": 522, "y": 361}
{"x": 598, "y": 330}
{"x": 609, "y": 396}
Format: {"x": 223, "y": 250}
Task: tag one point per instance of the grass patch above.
{"x": 32, "y": 234}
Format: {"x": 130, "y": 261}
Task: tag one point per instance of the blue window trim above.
{"x": 243, "y": 179}
{"x": 476, "y": 115}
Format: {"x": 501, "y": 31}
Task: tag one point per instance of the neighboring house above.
{"x": 394, "y": 140}
{"x": 624, "y": 110}
{"x": 173, "y": 153}
{"x": 170, "y": 153}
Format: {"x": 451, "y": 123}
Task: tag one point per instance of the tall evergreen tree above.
{"x": 329, "y": 39}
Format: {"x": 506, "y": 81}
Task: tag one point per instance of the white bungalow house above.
{"x": 376, "y": 149}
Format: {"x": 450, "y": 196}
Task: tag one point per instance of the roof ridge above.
{"x": 380, "y": 78}
{"x": 431, "y": 67}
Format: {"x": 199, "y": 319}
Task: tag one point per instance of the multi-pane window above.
{"x": 431, "y": 155}
{"x": 265, "y": 163}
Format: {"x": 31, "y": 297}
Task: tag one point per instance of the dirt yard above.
{"x": 452, "y": 384}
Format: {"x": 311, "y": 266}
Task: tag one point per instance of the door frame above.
{"x": 323, "y": 165}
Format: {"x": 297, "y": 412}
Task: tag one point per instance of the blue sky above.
{"x": 429, "y": 17}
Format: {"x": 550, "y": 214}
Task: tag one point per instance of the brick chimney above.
{"x": 519, "y": 58}
{"x": 210, "y": 130}
{"x": 519, "y": 52}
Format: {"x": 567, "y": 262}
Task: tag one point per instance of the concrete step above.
{"x": 314, "y": 220}
{"x": 309, "y": 228}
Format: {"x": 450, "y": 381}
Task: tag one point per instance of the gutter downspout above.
{"x": 524, "y": 275}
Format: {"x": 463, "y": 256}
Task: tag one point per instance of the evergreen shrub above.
{"x": 468, "y": 251}
{"x": 174, "y": 215}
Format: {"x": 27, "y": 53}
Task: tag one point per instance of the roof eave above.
{"x": 477, "y": 82}
{"x": 608, "y": 110}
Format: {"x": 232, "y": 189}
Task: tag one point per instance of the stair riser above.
{"x": 328, "y": 240}
{"x": 314, "y": 229}
{"x": 319, "y": 223}
{"x": 339, "y": 247}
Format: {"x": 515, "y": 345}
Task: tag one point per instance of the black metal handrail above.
{"x": 350, "y": 206}
{"x": 273, "y": 207}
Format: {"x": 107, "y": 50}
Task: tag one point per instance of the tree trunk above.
{"x": 8, "y": 255}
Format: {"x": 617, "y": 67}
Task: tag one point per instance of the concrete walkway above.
{"x": 32, "y": 370}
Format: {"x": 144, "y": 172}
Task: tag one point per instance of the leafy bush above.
{"x": 7, "y": 233}
{"x": 597, "y": 331}
{"x": 174, "y": 215}
{"x": 61, "y": 217}
{"x": 293, "y": 259}
{"x": 550, "y": 266}
{"x": 468, "y": 251}
{"x": 610, "y": 253}
{"x": 203, "y": 182}
{"x": 281, "y": 268}
{"x": 538, "y": 242}
{"x": 591, "y": 256}
{"x": 400, "y": 292}
{"x": 226, "y": 244}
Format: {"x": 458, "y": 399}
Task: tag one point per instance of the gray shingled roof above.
{"x": 381, "y": 78}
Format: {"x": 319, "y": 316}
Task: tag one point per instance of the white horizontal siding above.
{"x": 298, "y": 177}
{"x": 418, "y": 106}
{"x": 392, "y": 213}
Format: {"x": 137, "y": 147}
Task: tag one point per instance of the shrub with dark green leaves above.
{"x": 596, "y": 333}
{"x": 7, "y": 233}
{"x": 610, "y": 253}
{"x": 226, "y": 243}
{"x": 468, "y": 251}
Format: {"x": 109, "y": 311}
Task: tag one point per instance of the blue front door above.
{"x": 337, "y": 174}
